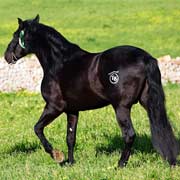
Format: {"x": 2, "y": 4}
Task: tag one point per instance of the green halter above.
{"x": 21, "y": 39}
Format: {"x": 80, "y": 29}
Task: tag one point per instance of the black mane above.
{"x": 55, "y": 46}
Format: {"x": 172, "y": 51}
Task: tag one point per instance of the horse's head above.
{"x": 23, "y": 41}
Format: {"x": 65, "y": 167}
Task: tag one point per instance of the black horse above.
{"x": 76, "y": 80}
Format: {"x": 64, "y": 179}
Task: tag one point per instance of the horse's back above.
{"x": 124, "y": 55}
{"x": 123, "y": 58}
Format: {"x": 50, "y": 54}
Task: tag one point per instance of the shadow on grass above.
{"x": 142, "y": 143}
{"x": 24, "y": 147}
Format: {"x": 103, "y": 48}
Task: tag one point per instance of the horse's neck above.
{"x": 55, "y": 50}
{"x": 54, "y": 57}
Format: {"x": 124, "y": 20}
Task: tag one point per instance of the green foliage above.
{"x": 98, "y": 142}
{"x": 97, "y": 25}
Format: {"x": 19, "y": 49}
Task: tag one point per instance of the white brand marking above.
{"x": 113, "y": 77}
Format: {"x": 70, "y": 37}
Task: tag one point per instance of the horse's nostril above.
{"x": 14, "y": 56}
{"x": 10, "y": 57}
{"x": 7, "y": 57}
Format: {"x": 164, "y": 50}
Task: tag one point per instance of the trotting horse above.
{"x": 76, "y": 80}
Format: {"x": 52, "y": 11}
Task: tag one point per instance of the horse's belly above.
{"x": 84, "y": 101}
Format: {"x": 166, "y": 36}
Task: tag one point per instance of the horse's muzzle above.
{"x": 10, "y": 57}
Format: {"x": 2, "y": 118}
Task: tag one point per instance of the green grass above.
{"x": 98, "y": 143}
{"x": 100, "y": 24}
{"x": 153, "y": 25}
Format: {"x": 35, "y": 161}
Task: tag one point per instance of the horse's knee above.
{"x": 37, "y": 129}
{"x": 130, "y": 137}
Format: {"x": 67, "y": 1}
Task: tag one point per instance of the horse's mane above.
{"x": 53, "y": 48}
{"x": 58, "y": 44}
{"x": 54, "y": 37}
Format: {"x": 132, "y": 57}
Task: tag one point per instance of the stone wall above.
{"x": 27, "y": 73}
{"x": 170, "y": 69}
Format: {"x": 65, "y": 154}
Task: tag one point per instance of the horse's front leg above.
{"x": 72, "y": 119}
{"x": 48, "y": 115}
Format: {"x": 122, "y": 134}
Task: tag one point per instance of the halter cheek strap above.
{"x": 21, "y": 39}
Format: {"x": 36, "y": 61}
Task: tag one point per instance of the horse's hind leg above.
{"x": 124, "y": 120}
{"x": 48, "y": 115}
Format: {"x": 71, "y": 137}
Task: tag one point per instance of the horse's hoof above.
{"x": 173, "y": 165}
{"x": 121, "y": 164}
{"x": 172, "y": 162}
{"x": 58, "y": 156}
{"x": 67, "y": 163}
{"x": 71, "y": 162}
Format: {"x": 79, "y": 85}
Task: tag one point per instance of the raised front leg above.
{"x": 123, "y": 118}
{"x": 72, "y": 119}
{"x": 48, "y": 115}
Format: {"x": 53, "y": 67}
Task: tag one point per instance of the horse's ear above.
{"x": 37, "y": 18}
{"x": 20, "y": 22}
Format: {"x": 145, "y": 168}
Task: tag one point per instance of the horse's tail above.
{"x": 163, "y": 138}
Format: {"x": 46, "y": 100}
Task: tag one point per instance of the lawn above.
{"x": 98, "y": 142}
{"x": 153, "y": 25}
{"x": 100, "y": 24}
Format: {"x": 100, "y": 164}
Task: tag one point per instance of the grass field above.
{"x": 153, "y": 25}
{"x": 98, "y": 143}
{"x": 100, "y": 24}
